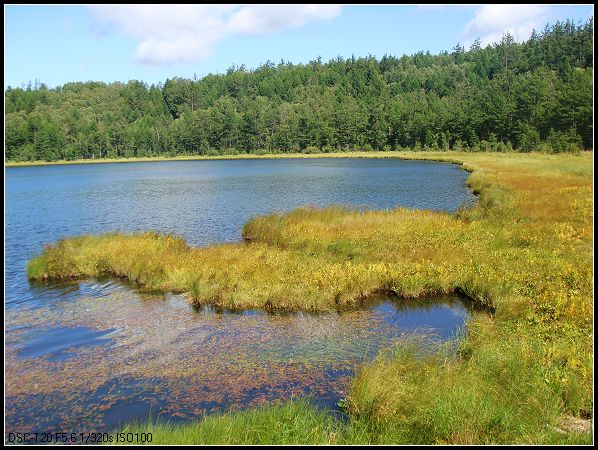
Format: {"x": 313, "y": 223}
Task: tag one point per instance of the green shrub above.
{"x": 564, "y": 141}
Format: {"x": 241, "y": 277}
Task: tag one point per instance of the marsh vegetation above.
{"x": 525, "y": 251}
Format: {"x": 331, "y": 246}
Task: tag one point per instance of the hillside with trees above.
{"x": 535, "y": 95}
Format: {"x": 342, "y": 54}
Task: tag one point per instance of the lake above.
{"x": 91, "y": 355}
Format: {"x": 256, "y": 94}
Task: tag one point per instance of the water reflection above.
{"x": 60, "y": 343}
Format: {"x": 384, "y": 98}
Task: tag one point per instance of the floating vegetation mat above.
{"x": 95, "y": 362}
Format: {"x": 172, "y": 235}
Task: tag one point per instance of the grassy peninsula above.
{"x": 521, "y": 375}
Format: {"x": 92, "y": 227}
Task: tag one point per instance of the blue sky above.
{"x": 58, "y": 44}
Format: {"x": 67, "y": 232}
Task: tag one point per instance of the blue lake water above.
{"x": 59, "y": 337}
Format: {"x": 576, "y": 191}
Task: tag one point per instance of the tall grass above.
{"x": 296, "y": 422}
{"x": 525, "y": 250}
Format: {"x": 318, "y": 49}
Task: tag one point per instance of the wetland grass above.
{"x": 296, "y": 422}
{"x": 525, "y": 250}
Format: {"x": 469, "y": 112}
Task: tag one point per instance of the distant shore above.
{"x": 353, "y": 154}
{"x": 449, "y": 156}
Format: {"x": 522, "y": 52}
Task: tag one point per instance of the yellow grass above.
{"x": 363, "y": 154}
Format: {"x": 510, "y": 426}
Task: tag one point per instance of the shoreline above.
{"x": 352, "y": 154}
{"x": 444, "y": 155}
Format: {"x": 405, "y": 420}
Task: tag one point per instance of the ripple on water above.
{"x": 59, "y": 343}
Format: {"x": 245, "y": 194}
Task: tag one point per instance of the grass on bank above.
{"x": 408, "y": 154}
{"x": 296, "y": 422}
{"x": 525, "y": 250}
{"x": 299, "y": 422}
{"x": 224, "y": 156}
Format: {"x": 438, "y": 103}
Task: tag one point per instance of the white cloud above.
{"x": 189, "y": 33}
{"x": 491, "y": 22}
{"x": 274, "y": 18}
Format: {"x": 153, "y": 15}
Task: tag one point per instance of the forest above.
{"x": 531, "y": 96}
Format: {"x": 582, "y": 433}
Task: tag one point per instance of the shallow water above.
{"x": 88, "y": 356}
{"x": 135, "y": 356}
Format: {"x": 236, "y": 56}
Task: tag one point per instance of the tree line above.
{"x": 534, "y": 95}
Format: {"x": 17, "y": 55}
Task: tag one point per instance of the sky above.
{"x": 60, "y": 44}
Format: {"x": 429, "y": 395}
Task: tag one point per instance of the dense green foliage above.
{"x": 531, "y": 95}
